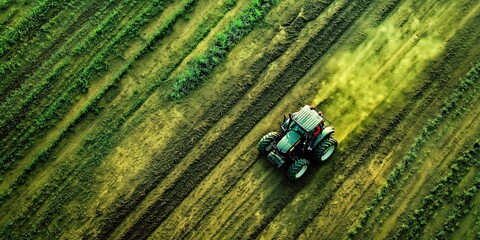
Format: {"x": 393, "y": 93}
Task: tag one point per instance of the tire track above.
{"x": 186, "y": 141}
{"x": 271, "y": 95}
{"x": 434, "y": 89}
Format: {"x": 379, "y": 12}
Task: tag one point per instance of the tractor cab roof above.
{"x": 307, "y": 118}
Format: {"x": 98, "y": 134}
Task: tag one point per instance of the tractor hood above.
{"x": 288, "y": 141}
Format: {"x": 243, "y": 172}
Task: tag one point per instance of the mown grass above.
{"x": 471, "y": 79}
{"x": 201, "y": 67}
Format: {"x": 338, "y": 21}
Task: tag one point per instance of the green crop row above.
{"x": 395, "y": 175}
{"x": 7, "y": 18}
{"x": 60, "y": 55}
{"x": 4, "y": 4}
{"x": 13, "y": 105}
{"x": 103, "y": 137}
{"x": 47, "y": 39}
{"x": 36, "y": 16}
{"x": 202, "y": 66}
{"x": 100, "y": 63}
{"x": 43, "y": 155}
{"x": 441, "y": 192}
{"x": 93, "y": 37}
{"x": 41, "y": 44}
{"x": 81, "y": 84}
{"x": 459, "y": 111}
{"x": 462, "y": 207}
{"x": 200, "y": 33}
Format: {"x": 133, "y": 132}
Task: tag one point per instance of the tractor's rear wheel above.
{"x": 264, "y": 145}
{"x": 326, "y": 149}
{"x": 298, "y": 169}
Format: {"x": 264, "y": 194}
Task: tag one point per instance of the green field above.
{"x": 140, "y": 119}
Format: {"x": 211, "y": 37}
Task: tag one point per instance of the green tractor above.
{"x": 304, "y": 138}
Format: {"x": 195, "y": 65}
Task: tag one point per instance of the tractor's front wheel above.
{"x": 326, "y": 149}
{"x": 265, "y": 144}
{"x": 298, "y": 169}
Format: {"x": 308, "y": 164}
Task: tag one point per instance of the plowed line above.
{"x": 205, "y": 163}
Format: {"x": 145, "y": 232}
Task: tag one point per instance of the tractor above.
{"x": 304, "y": 139}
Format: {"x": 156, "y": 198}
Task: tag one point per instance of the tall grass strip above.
{"x": 201, "y": 67}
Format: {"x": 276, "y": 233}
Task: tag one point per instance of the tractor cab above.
{"x": 305, "y": 124}
{"x": 303, "y": 139}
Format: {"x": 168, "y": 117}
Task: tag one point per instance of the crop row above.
{"x": 80, "y": 85}
{"x": 100, "y": 63}
{"x": 462, "y": 207}
{"x": 35, "y": 77}
{"x": 165, "y": 29}
{"x": 101, "y": 139}
{"x": 12, "y": 115}
{"x": 41, "y": 43}
{"x": 200, "y": 167}
{"x": 42, "y": 156}
{"x": 103, "y": 136}
{"x": 98, "y": 33}
{"x": 202, "y": 66}
{"x": 7, "y": 18}
{"x": 32, "y": 20}
{"x": 467, "y": 100}
{"x": 5, "y": 4}
{"x": 397, "y": 173}
{"x": 22, "y": 105}
{"x": 441, "y": 193}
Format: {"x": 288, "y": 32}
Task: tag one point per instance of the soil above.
{"x": 140, "y": 165}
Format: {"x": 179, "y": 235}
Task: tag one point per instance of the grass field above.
{"x": 140, "y": 119}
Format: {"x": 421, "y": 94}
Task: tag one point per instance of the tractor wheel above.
{"x": 326, "y": 149}
{"x": 264, "y": 145}
{"x": 297, "y": 169}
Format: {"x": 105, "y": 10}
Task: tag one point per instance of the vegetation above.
{"x": 33, "y": 19}
{"x": 441, "y": 193}
{"x": 464, "y": 204}
{"x": 403, "y": 167}
{"x": 202, "y": 66}
{"x": 80, "y": 85}
{"x": 103, "y": 137}
{"x": 100, "y": 139}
